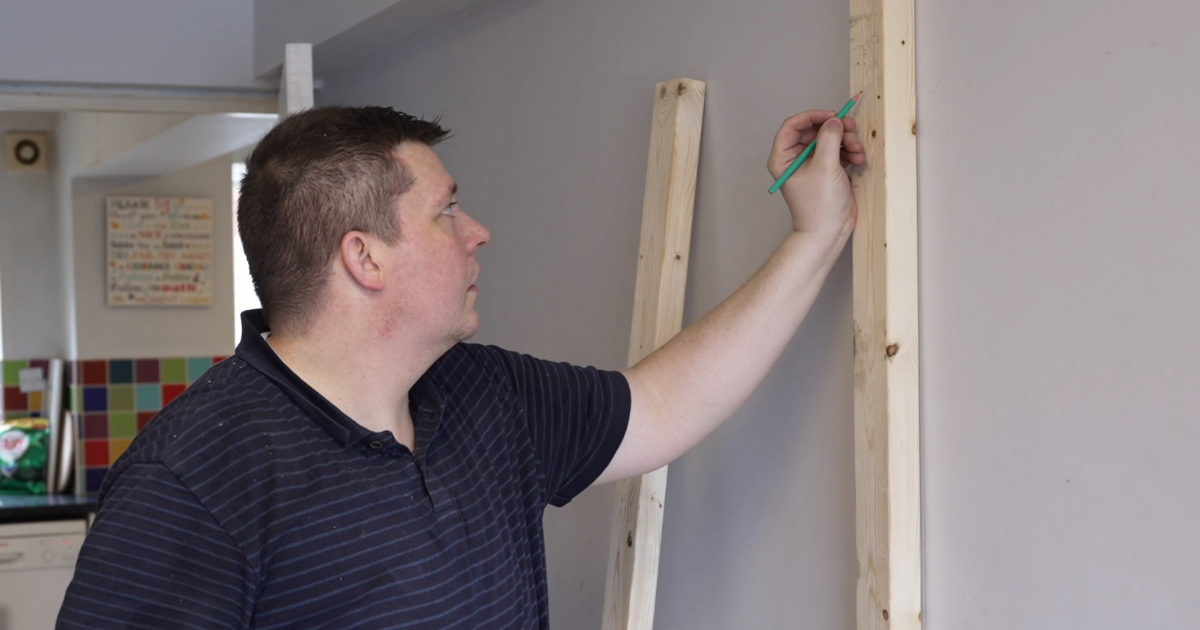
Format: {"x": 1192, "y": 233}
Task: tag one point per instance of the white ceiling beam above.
{"x": 186, "y": 144}
{"x": 296, "y": 83}
{"x": 115, "y": 98}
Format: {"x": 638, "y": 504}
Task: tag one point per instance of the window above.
{"x": 244, "y": 297}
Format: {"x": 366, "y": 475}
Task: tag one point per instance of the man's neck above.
{"x": 367, "y": 378}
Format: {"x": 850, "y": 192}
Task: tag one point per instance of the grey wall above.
{"x": 111, "y": 332}
{"x": 280, "y": 22}
{"x": 145, "y": 42}
{"x": 550, "y": 101}
{"x": 29, "y": 252}
{"x": 344, "y": 34}
{"x": 1059, "y": 304}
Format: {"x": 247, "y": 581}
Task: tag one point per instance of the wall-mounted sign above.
{"x": 159, "y": 251}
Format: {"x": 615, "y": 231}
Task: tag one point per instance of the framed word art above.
{"x": 159, "y": 251}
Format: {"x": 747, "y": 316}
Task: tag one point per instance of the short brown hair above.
{"x": 316, "y": 176}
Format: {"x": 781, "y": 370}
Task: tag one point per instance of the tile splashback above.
{"x": 113, "y": 399}
{"x": 18, "y": 404}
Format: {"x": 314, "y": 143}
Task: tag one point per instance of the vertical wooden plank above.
{"x": 887, "y": 405}
{"x": 657, "y": 316}
{"x": 296, "y": 82}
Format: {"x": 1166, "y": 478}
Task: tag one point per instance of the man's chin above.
{"x": 469, "y": 328}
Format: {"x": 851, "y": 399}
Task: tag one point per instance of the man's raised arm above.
{"x": 681, "y": 392}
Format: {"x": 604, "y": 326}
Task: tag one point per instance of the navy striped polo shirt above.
{"x": 252, "y": 502}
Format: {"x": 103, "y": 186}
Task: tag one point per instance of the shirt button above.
{"x": 376, "y": 444}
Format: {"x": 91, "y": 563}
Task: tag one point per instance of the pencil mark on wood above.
{"x": 867, "y": 53}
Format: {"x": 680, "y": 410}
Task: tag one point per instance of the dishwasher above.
{"x": 37, "y": 561}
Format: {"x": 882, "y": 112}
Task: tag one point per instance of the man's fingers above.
{"x": 799, "y": 129}
{"x": 810, "y": 119}
{"x": 800, "y": 124}
{"x": 829, "y": 142}
{"x": 851, "y": 142}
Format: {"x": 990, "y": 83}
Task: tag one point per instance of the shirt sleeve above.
{"x": 577, "y": 417}
{"x": 156, "y": 558}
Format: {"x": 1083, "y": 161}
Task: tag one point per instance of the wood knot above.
{"x": 662, "y": 92}
{"x": 885, "y": 614}
{"x": 678, "y": 257}
{"x": 892, "y": 350}
{"x": 914, "y": 129}
{"x": 629, "y": 540}
{"x": 681, "y": 89}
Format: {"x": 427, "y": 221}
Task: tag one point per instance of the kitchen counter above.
{"x": 23, "y": 507}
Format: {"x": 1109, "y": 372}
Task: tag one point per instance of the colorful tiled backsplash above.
{"x": 18, "y": 404}
{"x": 113, "y": 400}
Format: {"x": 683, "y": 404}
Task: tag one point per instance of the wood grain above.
{"x": 886, "y": 357}
{"x": 657, "y": 316}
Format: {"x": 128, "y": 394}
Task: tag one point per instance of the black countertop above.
{"x": 41, "y": 507}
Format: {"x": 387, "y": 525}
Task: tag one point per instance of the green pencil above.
{"x": 809, "y": 149}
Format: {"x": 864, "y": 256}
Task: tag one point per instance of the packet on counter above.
{"x": 23, "y": 455}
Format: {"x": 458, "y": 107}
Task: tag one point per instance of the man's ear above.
{"x": 360, "y": 256}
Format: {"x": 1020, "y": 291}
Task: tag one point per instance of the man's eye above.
{"x": 450, "y": 208}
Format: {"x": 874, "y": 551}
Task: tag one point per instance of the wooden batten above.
{"x": 886, "y": 365}
{"x": 657, "y": 316}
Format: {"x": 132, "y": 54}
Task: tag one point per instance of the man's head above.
{"x": 313, "y": 179}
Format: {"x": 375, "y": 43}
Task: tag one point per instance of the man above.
{"x": 355, "y": 465}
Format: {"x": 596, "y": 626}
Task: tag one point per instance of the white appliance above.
{"x": 37, "y": 561}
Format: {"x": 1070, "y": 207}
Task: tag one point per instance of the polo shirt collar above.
{"x": 424, "y": 397}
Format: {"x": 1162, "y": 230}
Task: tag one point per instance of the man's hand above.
{"x": 818, "y": 193}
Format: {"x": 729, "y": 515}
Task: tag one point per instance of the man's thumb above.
{"x": 829, "y": 142}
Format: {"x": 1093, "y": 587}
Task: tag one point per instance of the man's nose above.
{"x": 479, "y": 235}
